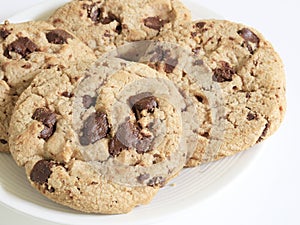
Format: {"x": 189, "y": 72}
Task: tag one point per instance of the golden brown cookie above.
{"x": 106, "y": 24}
{"x": 109, "y": 144}
{"x": 250, "y": 74}
{"x": 25, "y": 50}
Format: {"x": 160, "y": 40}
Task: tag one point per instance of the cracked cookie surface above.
{"x": 251, "y": 76}
{"x": 106, "y": 24}
{"x": 26, "y": 49}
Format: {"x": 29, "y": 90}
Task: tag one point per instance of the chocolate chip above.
{"x": 223, "y": 73}
{"x": 48, "y": 118}
{"x": 110, "y": 18}
{"x": 199, "y": 98}
{"x": 251, "y": 116}
{"x": 143, "y": 144}
{"x": 58, "y": 36}
{"x": 156, "y": 181}
{"x": 142, "y": 177}
{"x": 130, "y": 135}
{"x": 119, "y": 29}
{"x": 170, "y": 65}
{"x": 23, "y": 46}
{"x": 264, "y": 133}
{"x": 169, "y": 68}
{"x": 67, "y": 94}
{"x": 115, "y": 146}
{"x": 94, "y": 12}
{"x": 200, "y": 25}
{"x": 143, "y": 101}
{"x": 88, "y": 101}
{"x": 41, "y": 171}
{"x": 249, "y": 47}
{"x": 205, "y": 134}
{"x": 95, "y": 127}
{"x": 4, "y": 33}
{"x": 155, "y": 23}
{"x": 2, "y": 141}
{"x": 5, "y": 79}
{"x": 249, "y": 36}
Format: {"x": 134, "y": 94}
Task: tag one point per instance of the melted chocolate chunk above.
{"x": 95, "y": 127}
{"x": 115, "y": 147}
{"x": 23, "y": 46}
{"x": 4, "y": 142}
{"x": 143, "y": 144}
{"x": 143, "y": 101}
{"x": 157, "y": 181}
{"x": 48, "y": 118}
{"x": 130, "y": 135}
{"x": 251, "y": 116}
{"x": 96, "y": 15}
{"x": 41, "y": 171}
{"x": 248, "y": 35}
{"x": 223, "y": 73}
{"x": 154, "y": 23}
{"x": 170, "y": 65}
{"x": 58, "y": 36}
{"x": 88, "y": 101}
{"x": 4, "y": 33}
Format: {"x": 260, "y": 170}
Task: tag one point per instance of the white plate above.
{"x": 192, "y": 186}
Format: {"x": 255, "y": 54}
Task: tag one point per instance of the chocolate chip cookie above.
{"x": 25, "y": 50}
{"x": 105, "y": 24}
{"x": 99, "y": 141}
{"x": 251, "y": 76}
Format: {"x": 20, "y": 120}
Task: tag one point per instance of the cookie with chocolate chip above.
{"x": 26, "y": 49}
{"x": 123, "y": 131}
{"x": 250, "y": 74}
{"x": 105, "y": 24}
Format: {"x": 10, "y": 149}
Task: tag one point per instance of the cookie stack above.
{"x": 107, "y": 101}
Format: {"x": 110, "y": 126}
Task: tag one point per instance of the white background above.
{"x": 268, "y": 192}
